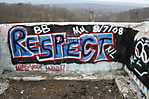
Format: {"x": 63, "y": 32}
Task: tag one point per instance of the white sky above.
{"x": 72, "y": 1}
{"x": 130, "y": 1}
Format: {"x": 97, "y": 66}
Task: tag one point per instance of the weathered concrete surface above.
{"x": 125, "y": 88}
{"x": 136, "y": 84}
{"x": 63, "y": 89}
{"x": 62, "y": 86}
{"x": 4, "y": 85}
{"x": 103, "y": 85}
{"x": 38, "y": 76}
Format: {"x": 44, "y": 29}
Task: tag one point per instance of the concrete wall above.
{"x": 124, "y": 43}
{"x": 6, "y": 60}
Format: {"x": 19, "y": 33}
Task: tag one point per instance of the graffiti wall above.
{"x": 140, "y": 58}
{"x": 57, "y": 47}
{"x": 56, "y": 44}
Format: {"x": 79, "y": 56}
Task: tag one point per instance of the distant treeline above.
{"x": 35, "y": 13}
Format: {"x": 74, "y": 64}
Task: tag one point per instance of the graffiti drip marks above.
{"x": 51, "y": 47}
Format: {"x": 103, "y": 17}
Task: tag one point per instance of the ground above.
{"x": 62, "y": 89}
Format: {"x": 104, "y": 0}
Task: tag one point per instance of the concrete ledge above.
{"x": 4, "y": 84}
{"x": 126, "y": 88}
{"x": 38, "y": 76}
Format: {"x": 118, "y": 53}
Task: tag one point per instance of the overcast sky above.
{"x": 73, "y": 1}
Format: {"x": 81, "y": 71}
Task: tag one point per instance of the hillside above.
{"x": 35, "y": 13}
{"x": 133, "y": 15}
{"x": 102, "y": 7}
